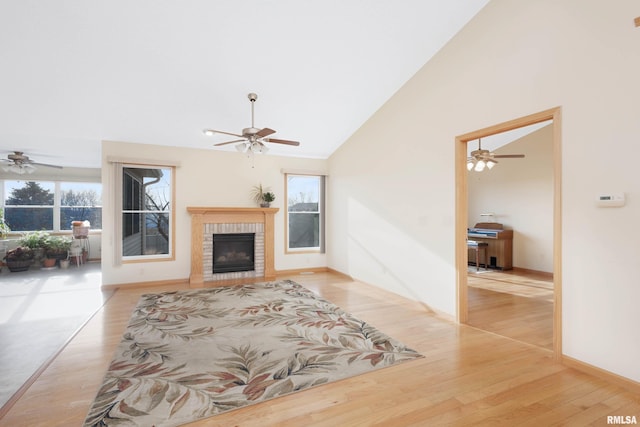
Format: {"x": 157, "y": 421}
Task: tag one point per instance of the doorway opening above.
{"x": 462, "y": 213}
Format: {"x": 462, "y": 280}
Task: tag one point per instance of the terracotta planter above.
{"x": 49, "y": 262}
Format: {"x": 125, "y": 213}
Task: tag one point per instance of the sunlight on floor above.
{"x": 39, "y": 295}
{"x": 39, "y": 311}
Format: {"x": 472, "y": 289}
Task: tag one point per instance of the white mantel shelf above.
{"x": 222, "y": 215}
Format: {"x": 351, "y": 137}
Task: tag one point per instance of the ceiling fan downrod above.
{"x": 252, "y": 97}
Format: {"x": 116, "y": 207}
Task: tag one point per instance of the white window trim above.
{"x": 321, "y": 211}
{"x": 118, "y": 168}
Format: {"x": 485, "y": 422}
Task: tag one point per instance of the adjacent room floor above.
{"x": 40, "y": 310}
{"x": 515, "y": 304}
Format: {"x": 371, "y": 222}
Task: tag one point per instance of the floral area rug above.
{"x": 188, "y": 355}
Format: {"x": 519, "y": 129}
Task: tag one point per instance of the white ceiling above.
{"x": 76, "y": 72}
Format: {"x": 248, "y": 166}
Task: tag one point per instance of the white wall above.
{"x": 519, "y": 192}
{"x": 204, "y": 178}
{"x": 393, "y": 185}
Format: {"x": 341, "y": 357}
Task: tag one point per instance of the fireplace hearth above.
{"x": 233, "y": 252}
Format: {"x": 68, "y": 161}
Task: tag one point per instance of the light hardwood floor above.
{"x": 516, "y": 304}
{"x": 468, "y": 377}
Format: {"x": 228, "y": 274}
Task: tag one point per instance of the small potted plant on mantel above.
{"x": 267, "y": 198}
{"x": 263, "y": 196}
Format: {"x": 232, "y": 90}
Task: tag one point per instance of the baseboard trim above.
{"x": 134, "y": 285}
{"x": 294, "y": 271}
{"x": 340, "y": 273}
{"x": 313, "y": 270}
{"x": 619, "y": 380}
{"x": 527, "y": 270}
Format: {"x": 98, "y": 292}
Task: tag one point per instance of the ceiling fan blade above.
{"x": 213, "y": 131}
{"x": 508, "y": 156}
{"x": 265, "y": 132}
{"x": 281, "y": 141}
{"x": 45, "y": 164}
{"x": 228, "y": 142}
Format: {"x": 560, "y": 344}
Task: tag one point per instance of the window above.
{"x": 49, "y": 205}
{"x": 147, "y": 194}
{"x": 80, "y": 201}
{"x": 28, "y": 205}
{"x": 305, "y": 213}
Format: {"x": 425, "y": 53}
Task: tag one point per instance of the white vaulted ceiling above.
{"x": 76, "y": 72}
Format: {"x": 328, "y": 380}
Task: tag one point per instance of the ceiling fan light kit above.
{"x": 19, "y": 169}
{"x": 19, "y": 163}
{"x": 481, "y": 159}
{"x": 253, "y": 139}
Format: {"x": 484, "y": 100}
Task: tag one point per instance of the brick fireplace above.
{"x": 207, "y": 221}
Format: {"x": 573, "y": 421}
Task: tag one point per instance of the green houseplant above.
{"x": 4, "y": 233}
{"x": 36, "y": 241}
{"x": 268, "y": 197}
{"x": 57, "y": 247}
{"x": 4, "y": 228}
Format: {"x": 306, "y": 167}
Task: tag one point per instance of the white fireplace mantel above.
{"x": 223, "y": 215}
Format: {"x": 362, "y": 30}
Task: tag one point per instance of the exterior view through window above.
{"x": 305, "y": 212}
{"x": 52, "y": 206}
{"x": 146, "y": 211}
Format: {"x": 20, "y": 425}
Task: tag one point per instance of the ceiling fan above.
{"x": 252, "y": 139}
{"x": 20, "y": 163}
{"x": 479, "y": 159}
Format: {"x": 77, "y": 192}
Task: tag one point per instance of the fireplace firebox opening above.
{"x": 233, "y": 252}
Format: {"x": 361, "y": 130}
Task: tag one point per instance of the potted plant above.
{"x": 267, "y": 198}
{"x": 263, "y": 196}
{"x": 19, "y": 259}
{"x": 57, "y": 247}
{"x": 4, "y": 233}
{"x": 36, "y": 241}
{"x": 4, "y": 228}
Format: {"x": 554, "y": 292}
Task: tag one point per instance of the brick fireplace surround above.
{"x": 207, "y": 220}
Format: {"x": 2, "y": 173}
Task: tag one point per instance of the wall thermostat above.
{"x": 612, "y": 200}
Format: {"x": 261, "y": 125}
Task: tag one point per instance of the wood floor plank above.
{"x": 467, "y": 377}
{"x": 516, "y": 304}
